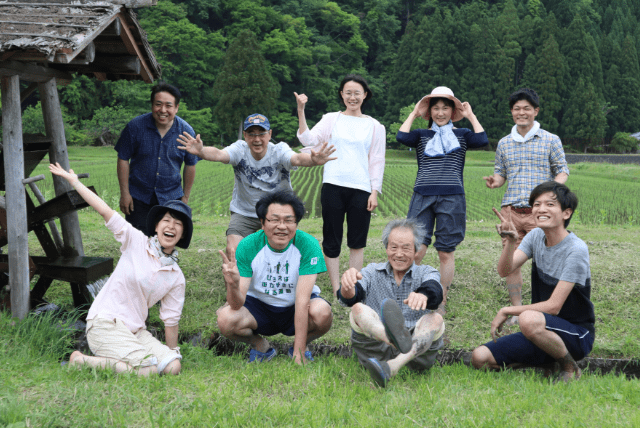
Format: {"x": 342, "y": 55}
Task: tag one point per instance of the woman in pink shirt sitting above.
{"x": 146, "y": 273}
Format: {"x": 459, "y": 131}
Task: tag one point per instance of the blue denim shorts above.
{"x": 516, "y": 348}
{"x": 448, "y": 213}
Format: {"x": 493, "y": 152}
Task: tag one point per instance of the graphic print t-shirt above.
{"x": 274, "y": 274}
{"x": 253, "y": 179}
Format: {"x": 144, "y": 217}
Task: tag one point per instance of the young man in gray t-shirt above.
{"x": 558, "y": 325}
{"x": 260, "y": 167}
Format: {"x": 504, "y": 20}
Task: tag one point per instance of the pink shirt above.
{"x": 322, "y": 132}
{"x": 138, "y": 282}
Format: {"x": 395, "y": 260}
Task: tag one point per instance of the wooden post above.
{"x": 13, "y": 152}
{"x": 54, "y": 126}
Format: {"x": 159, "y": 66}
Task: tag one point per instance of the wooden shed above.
{"x": 43, "y": 44}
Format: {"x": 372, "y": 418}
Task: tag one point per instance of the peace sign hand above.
{"x": 506, "y": 228}
{"x": 230, "y": 271}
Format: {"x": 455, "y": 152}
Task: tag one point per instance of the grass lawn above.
{"x": 224, "y": 391}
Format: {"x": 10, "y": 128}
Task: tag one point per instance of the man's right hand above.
{"x": 506, "y": 228}
{"x": 230, "y": 271}
{"x": 349, "y": 279}
{"x": 126, "y": 204}
{"x": 190, "y": 144}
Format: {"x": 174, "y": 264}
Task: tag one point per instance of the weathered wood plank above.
{"x": 132, "y": 46}
{"x": 18, "y": 250}
{"x": 54, "y": 125}
{"x": 32, "y": 73}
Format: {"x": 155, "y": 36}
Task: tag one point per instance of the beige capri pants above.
{"x": 111, "y": 338}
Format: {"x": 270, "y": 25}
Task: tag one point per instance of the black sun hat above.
{"x": 182, "y": 211}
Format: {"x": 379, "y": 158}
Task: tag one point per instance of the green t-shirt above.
{"x": 274, "y": 274}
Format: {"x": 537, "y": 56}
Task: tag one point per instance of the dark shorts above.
{"x": 242, "y": 225}
{"x": 365, "y": 348}
{"x": 449, "y": 215}
{"x": 273, "y": 319}
{"x": 516, "y": 348}
{"x": 138, "y": 217}
{"x": 336, "y": 202}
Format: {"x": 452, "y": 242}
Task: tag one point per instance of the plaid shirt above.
{"x": 525, "y": 165}
{"x": 155, "y": 162}
{"x": 379, "y": 284}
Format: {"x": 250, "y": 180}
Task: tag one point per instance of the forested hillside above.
{"x": 234, "y": 57}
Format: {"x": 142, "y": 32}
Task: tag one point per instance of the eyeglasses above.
{"x": 286, "y": 221}
{"x": 357, "y": 94}
{"x": 257, "y": 135}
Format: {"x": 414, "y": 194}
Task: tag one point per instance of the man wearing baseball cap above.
{"x": 260, "y": 167}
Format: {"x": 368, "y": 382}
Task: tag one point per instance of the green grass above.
{"x": 333, "y": 391}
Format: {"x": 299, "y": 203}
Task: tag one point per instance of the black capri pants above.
{"x": 336, "y": 202}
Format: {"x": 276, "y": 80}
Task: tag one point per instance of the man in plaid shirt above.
{"x": 525, "y": 158}
{"x": 392, "y": 306}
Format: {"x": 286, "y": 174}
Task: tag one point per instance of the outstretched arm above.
{"x": 91, "y": 198}
{"x": 195, "y": 146}
{"x": 314, "y": 158}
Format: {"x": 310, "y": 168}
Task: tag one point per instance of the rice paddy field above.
{"x": 608, "y": 194}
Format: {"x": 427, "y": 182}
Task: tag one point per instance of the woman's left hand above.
{"x": 372, "y": 203}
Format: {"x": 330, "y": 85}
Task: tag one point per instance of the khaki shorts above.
{"x": 111, "y": 338}
{"x": 524, "y": 223}
{"x": 365, "y": 348}
{"x": 243, "y": 225}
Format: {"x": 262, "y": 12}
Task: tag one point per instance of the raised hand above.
{"x": 416, "y": 301}
{"x": 230, "y": 271}
{"x": 190, "y": 144}
{"x": 506, "y": 228}
{"x": 466, "y": 111}
{"x": 322, "y": 156}
{"x": 349, "y": 279}
{"x": 56, "y": 169}
{"x": 301, "y": 100}
{"x": 420, "y": 109}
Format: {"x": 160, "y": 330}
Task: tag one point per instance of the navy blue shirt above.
{"x": 155, "y": 162}
{"x": 441, "y": 175}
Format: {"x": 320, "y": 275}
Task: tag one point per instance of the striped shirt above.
{"x": 525, "y": 165}
{"x": 442, "y": 175}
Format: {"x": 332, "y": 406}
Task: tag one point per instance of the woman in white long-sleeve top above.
{"x": 352, "y": 182}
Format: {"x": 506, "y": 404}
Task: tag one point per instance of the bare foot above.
{"x": 568, "y": 377}
{"x": 76, "y": 358}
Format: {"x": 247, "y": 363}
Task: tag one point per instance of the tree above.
{"x": 584, "y": 123}
{"x": 244, "y": 85}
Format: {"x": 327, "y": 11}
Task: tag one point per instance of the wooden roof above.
{"x": 99, "y": 38}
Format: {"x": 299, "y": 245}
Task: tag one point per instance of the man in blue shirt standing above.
{"x": 149, "y": 160}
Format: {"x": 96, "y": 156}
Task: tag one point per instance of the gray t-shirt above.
{"x": 566, "y": 261}
{"x": 254, "y": 179}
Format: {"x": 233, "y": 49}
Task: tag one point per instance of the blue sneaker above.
{"x": 379, "y": 371}
{"x": 260, "y": 357}
{"x": 393, "y": 321}
{"x": 307, "y": 354}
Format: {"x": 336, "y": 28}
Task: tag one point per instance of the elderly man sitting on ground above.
{"x": 392, "y": 303}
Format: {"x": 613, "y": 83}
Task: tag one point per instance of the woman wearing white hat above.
{"x": 438, "y": 195}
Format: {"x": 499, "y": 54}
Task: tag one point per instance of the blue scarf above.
{"x": 443, "y": 143}
{"x": 165, "y": 260}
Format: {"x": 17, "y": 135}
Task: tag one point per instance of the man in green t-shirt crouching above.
{"x": 271, "y": 285}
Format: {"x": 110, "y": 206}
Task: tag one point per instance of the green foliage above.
{"x": 393, "y": 129}
{"x": 285, "y": 127}
{"x": 623, "y": 142}
{"x": 244, "y": 85}
{"x": 584, "y": 122}
{"x": 107, "y": 124}
{"x": 201, "y": 121}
